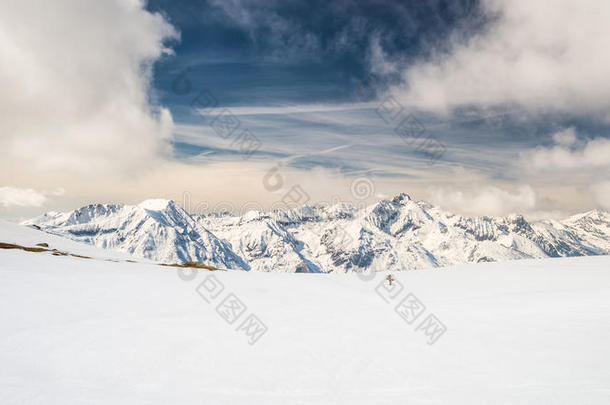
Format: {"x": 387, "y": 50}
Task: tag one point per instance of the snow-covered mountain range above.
{"x": 394, "y": 234}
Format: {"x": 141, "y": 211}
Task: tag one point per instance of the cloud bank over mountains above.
{"x": 515, "y": 91}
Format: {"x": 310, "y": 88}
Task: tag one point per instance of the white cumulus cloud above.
{"x": 75, "y": 78}
{"x": 22, "y": 197}
{"x": 488, "y": 200}
{"x": 541, "y": 55}
{"x": 569, "y": 153}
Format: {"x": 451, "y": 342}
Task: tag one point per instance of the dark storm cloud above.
{"x": 339, "y": 32}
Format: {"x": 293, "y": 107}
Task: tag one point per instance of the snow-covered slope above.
{"x": 75, "y": 331}
{"x": 30, "y": 237}
{"x": 394, "y": 234}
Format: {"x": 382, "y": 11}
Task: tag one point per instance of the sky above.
{"x": 483, "y": 107}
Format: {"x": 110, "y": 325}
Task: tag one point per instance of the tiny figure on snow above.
{"x": 390, "y": 279}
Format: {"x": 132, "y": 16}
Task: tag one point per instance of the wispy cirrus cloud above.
{"x": 298, "y": 108}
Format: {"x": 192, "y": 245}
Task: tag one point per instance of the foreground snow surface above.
{"x": 77, "y": 331}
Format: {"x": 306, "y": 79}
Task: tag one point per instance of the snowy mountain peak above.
{"x": 401, "y": 198}
{"x": 253, "y": 215}
{"x": 157, "y": 204}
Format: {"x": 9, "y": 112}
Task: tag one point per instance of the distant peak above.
{"x": 596, "y": 214}
{"x": 252, "y": 215}
{"x": 157, "y": 204}
{"x": 401, "y": 198}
